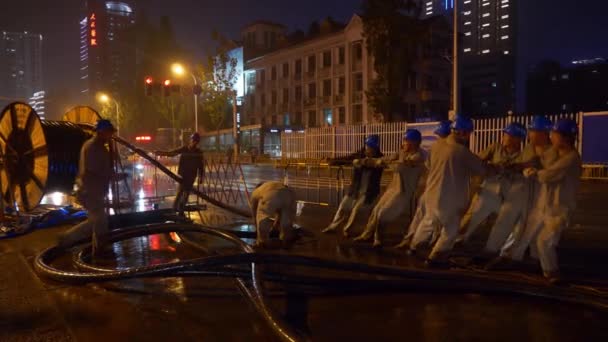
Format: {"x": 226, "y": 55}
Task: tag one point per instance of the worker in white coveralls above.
{"x": 273, "y": 205}
{"x": 451, "y": 167}
{"x": 442, "y": 131}
{"x": 95, "y": 172}
{"x": 522, "y": 193}
{"x": 490, "y": 196}
{"x": 364, "y": 188}
{"x": 559, "y": 181}
{"x": 407, "y": 166}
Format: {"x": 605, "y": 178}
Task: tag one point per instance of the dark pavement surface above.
{"x": 212, "y": 309}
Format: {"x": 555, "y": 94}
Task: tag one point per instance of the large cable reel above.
{"x": 38, "y": 157}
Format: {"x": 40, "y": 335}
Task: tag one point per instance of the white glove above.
{"x": 530, "y": 172}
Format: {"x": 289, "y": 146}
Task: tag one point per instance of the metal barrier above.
{"x": 320, "y": 183}
{"x": 489, "y": 130}
{"x": 331, "y": 142}
{"x": 595, "y": 172}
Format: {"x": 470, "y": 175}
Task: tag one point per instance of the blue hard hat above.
{"x": 463, "y": 123}
{"x": 104, "y": 125}
{"x": 444, "y": 128}
{"x": 515, "y": 129}
{"x": 540, "y": 123}
{"x": 566, "y": 127}
{"x": 373, "y": 141}
{"x": 413, "y": 135}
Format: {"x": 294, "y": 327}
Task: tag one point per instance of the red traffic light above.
{"x": 167, "y": 83}
{"x": 149, "y": 80}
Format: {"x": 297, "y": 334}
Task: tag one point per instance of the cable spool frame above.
{"x": 38, "y": 156}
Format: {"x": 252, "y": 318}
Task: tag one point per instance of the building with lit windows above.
{"x": 107, "y": 48}
{"x": 37, "y": 102}
{"x": 488, "y": 42}
{"x": 429, "y": 8}
{"x": 321, "y": 81}
{"x": 20, "y": 66}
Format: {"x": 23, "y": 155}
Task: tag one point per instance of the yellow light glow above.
{"x": 178, "y": 69}
{"x": 103, "y": 98}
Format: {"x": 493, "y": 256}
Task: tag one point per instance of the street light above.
{"x": 105, "y": 99}
{"x": 179, "y": 70}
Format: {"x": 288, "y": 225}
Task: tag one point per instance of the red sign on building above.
{"x": 93, "y": 29}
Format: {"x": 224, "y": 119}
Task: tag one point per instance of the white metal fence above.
{"x": 331, "y": 142}
{"x": 489, "y": 130}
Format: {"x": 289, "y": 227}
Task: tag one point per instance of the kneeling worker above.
{"x": 191, "y": 164}
{"x": 273, "y": 205}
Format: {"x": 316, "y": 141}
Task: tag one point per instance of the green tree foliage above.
{"x": 217, "y": 78}
{"x": 393, "y": 33}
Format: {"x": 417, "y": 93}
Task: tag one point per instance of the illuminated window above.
{"x": 486, "y": 36}
{"x": 467, "y": 23}
{"x": 486, "y": 15}
{"x": 504, "y": 26}
{"x": 506, "y": 52}
{"x": 504, "y": 37}
{"x": 506, "y": 16}
{"x": 467, "y": 34}
{"x": 486, "y": 4}
{"x": 467, "y": 13}
{"x": 467, "y": 2}
{"x": 467, "y": 50}
{"x": 485, "y": 51}
{"x": 485, "y": 25}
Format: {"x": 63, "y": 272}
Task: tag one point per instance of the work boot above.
{"x": 363, "y": 238}
{"x": 404, "y": 244}
{"x": 329, "y": 229}
{"x": 553, "y": 278}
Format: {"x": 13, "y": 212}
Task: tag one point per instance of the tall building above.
{"x": 429, "y": 8}
{"x": 20, "y": 65}
{"x": 578, "y": 87}
{"x": 37, "y": 102}
{"x": 107, "y": 48}
{"x": 488, "y": 42}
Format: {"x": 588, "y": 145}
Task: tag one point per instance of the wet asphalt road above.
{"x": 212, "y": 309}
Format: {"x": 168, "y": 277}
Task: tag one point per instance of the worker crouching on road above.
{"x": 559, "y": 181}
{"x": 447, "y": 187}
{"x": 191, "y": 165}
{"x": 273, "y": 205}
{"x": 95, "y": 172}
{"x": 407, "y": 166}
{"x": 490, "y": 197}
{"x": 442, "y": 132}
{"x": 364, "y": 189}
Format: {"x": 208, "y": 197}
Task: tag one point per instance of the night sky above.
{"x": 557, "y": 29}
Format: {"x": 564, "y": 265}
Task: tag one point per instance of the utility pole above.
{"x": 455, "y": 97}
{"x": 235, "y": 132}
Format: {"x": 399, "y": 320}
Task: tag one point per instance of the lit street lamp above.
{"x": 105, "y": 99}
{"x": 179, "y": 70}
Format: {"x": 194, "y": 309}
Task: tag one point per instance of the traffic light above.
{"x": 149, "y": 82}
{"x": 167, "y": 88}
